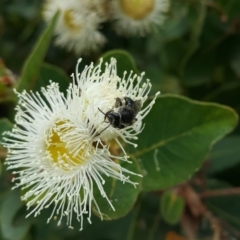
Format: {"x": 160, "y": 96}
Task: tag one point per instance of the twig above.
{"x": 234, "y": 232}
{"x": 198, "y": 209}
{"x": 217, "y": 230}
{"x": 220, "y": 192}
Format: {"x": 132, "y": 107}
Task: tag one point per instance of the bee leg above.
{"x": 134, "y": 120}
{"x": 102, "y": 130}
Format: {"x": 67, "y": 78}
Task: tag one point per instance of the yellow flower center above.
{"x": 70, "y": 20}
{"x": 60, "y": 152}
{"x": 137, "y": 9}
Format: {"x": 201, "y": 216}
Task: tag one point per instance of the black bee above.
{"x": 126, "y": 114}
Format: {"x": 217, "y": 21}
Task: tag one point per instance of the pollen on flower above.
{"x": 68, "y": 17}
{"x": 137, "y": 9}
{"x": 61, "y": 155}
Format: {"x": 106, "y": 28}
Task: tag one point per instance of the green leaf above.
{"x": 178, "y": 135}
{"x": 33, "y": 64}
{"x": 121, "y": 195}
{"x": 50, "y": 72}
{"x": 171, "y": 206}
{"x": 9, "y": 208}
{"x": 225, "y": 154}
{"x": 125, "y": 62}
{"x": 5, "y": 125}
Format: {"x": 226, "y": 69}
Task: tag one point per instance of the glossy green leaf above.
{"x": 121, "y": 195}
{"x": 171, "y": 207}
{"x": 225, "y": 154}
{"x": 50, "y": 72}
{"x": 5, "y": 125}
{"x": 125, "y": 62}
{"x": 34, "y": 62}
{"x": 9, "y": 208}
{"x": 178, "y": 135}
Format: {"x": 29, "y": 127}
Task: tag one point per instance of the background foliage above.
{"x": 190, "y": 189}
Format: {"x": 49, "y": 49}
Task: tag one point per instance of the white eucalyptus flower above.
{"x": 60, "y": 147}
{"x": 137, "y": 17}
{"x": 77, "y": 25}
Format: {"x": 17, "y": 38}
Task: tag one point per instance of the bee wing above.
{"x": 137, "y": 106}
{"x": 118, "y": 103}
